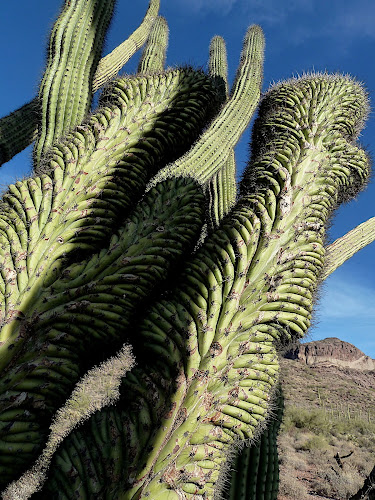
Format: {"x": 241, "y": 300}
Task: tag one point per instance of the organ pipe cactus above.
{"x": 131, "y": 232}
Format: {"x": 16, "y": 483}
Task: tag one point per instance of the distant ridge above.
{"x": 331, "y": 352}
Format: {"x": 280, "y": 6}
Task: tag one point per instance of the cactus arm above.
{"x": 111, "y": 64}
{"x": 206, "y": 156}
{"x": 218, "y": 65}
{"x": 255, "y": 471}
{"x": 18, "y": 130}
{"x": 75, "y": 47}
{"x": 222, "y": 192}
{"x": 154, "y": 54}
{"x": 345, "y": 247}
{"x": 221, "y": 188}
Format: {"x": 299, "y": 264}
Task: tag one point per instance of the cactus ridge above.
{"x": 74, "y": 51}
{"x": 103, "y": 297}
{"x": 154, "y": 54}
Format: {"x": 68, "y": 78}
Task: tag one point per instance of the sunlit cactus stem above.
{"x": 155, "y": 52}
{"x": 74, "y": 52}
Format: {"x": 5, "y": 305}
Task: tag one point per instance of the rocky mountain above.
{"x": 331, "y": 352}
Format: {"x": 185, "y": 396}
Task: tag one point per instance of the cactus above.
{"x": 131, "y": 232}
{"x": 255, "y": 472}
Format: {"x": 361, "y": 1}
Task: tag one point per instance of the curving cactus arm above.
{"x": 348, "y": 245}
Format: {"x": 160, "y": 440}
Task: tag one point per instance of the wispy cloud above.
{"x": 222, "y": 7}
{"x": 357, "y": 18}
{"x": 343, "y": 298}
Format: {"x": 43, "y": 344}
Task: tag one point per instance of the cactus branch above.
{"x": 218, "y": 65}
{"x": 154, "y": 54}
{"x": 111, "y": 64}
{"x": 75, "y": 48}
{"x": 206, "y": 157}
{"x": 345, "y": 247}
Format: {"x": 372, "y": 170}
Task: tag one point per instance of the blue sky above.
{"x": 301, "y": 36}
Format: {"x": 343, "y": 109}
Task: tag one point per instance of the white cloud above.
{"x": 343, "y": 298}
{"x": 222, "y": 7}
{"x": 357, "y": 19}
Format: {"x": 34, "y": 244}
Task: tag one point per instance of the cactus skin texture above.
{"x": 255, "y": 471}
{"x": 132, "y": 233}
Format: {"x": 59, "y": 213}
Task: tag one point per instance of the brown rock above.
{"x": 331, "y": 352}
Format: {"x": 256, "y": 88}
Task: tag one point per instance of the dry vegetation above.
{"x": 328, "y": 411}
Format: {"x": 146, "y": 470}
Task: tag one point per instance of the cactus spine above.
{"x": 106, "y": 246}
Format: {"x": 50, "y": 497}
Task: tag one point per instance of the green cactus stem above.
{"x": 74, "y": 51}
{"x": 345, "y": 247}
{"x": 210, "y": 153}
{"x": 154, "y": 54}
{"x": 19, "y": 129}
{"x": 101, "y": 296}
{"x": 255, "y": 471}
{"x": 221, "y": 188}
{"x": 218, "y": 65}
{"x": 111, "y": 64}
{"x": 222, "y": 192}
{"x": 207, "y": 353}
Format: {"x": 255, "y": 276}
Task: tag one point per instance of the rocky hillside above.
{"x": 331, "y": 351}
{"x": 327, "y": 440}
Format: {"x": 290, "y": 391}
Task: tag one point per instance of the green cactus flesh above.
{"x": 206, "y": 353}
{"x": 74, "y": 51}
{"x": 155, "y": 52}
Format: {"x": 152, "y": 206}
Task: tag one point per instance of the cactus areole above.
{"x": 145, "y": 293}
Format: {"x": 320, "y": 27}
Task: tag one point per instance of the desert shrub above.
{"x": 317, "y": 442}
